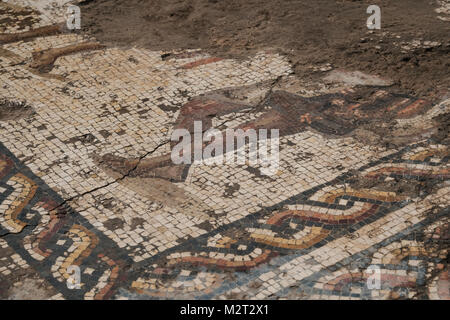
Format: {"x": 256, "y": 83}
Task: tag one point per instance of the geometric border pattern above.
{"x": 51, "y": 239}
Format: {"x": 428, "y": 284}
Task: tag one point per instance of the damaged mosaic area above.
{"x": 85, "y": 130}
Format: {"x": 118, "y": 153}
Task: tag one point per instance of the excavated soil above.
{"x": 411, "y": 48}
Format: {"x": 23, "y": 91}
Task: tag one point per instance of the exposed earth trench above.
{"x": 310, "y": 33}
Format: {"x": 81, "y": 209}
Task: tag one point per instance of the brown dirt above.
{"x": 310, "y": 33}
{"x": 39, "y": 32}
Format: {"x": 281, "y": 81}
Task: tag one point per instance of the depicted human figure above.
{"x": 335, "y": 114}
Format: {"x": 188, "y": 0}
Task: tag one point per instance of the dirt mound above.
{"x": 311, "y": 33}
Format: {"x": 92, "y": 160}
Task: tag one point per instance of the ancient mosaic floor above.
{"x": 81, "y": 126}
